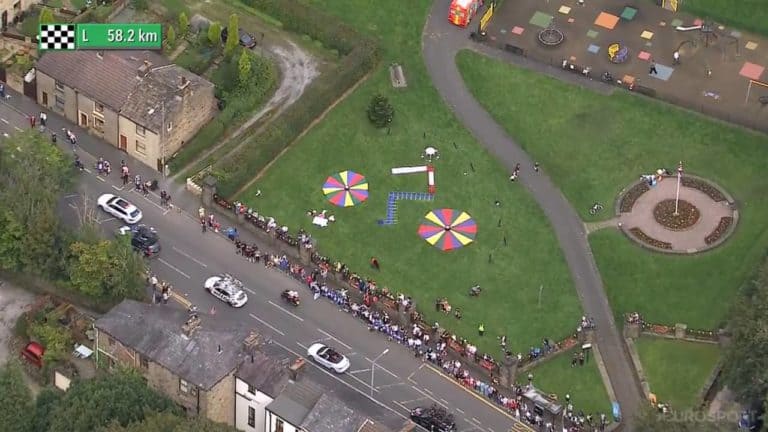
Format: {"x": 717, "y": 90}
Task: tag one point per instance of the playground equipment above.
{"x": 429, "y": 169}
{"x": 762, "y": 99}
{"x": 551, "y": 36}
{"x": 709, "y": 33}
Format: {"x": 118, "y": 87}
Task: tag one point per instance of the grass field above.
{"x": 583, "y": 383}
{"x": 677, "y": 370}
{"x": 594, "y": 145}
{"x": 751, "y": 15}
{"x": 511, "y": 284}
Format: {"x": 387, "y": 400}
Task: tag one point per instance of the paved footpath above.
{"x": 441, "y": 42}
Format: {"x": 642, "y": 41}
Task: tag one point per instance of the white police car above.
{"x": 227, "y": 289}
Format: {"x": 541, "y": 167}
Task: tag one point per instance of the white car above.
{"x": 227, "y": 289}
{"x": 328, "y": 357}
{"x": 120, "y": 208}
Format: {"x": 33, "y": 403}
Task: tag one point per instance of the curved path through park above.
{"x": 441, "y": 42}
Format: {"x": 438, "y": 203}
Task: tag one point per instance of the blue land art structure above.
{"x": 391, "y": 218}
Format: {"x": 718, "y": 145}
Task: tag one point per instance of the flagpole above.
{"x": 679, "y": 179}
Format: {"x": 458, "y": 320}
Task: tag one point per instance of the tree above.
{"x": 170, "y": 37}
{"x": 167, "y": 422}
{"x": 140, "y": 5}
{"x": 15, "y": 400}
{"x": 45, "y": 403}
{"x": 55, "y": 338}
{"x": 214, "y": 33}
{"x": 119, "y": 398}
{"x": 183, "y": 24}
{"x": 46, "y": 16}
{"x": 380, "y": 112}
{"x": 244, "y": 68}
{"x": 746, "y": 357}
{"x": 233, "y": 39}
{"x": 106, "y": 269}
{"x": 651, "y": 420}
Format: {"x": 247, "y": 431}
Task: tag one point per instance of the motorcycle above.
{"x": 291, "y": 297}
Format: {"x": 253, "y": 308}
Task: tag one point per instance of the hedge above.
{"x": 361, "y": 56}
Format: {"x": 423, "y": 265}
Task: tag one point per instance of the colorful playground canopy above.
{"x": 448, "y": 229}
{"x": 346, "y": 189}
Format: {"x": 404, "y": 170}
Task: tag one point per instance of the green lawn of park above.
{"x": 677, "y": 370}
{"x": 527, "y": 290}
{"x": 594, "y": 145}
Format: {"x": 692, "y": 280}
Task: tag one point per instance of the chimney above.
{"x": 144, "y": 69}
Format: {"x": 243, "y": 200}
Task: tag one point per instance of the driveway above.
{"x": 13, "y": 303}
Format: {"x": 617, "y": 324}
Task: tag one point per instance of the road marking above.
{"x": 190, "y": 257}
{"x": 445, "y": 401}
{"x": 101, "y": 179}
{"x": 402, "y": 406}
{"x": 389, "y": 385}
{"x": 285, "y": 310}
{"x": 70, "y": 196}
{"x": 365, "y": 384}
{"x": 360, "y": 370}
{"x": 475, "y": 395}
{"x": 87, "y": 170}
{"x": 301, "y": 345}
{"x": 18, "y": 128}
{"x": 106, "y": 220}
{"x": 490, "y": 430}
{"x": 334, "y": 338}
{"x": 116, "y": 188}
{"x": 428, "y": 396}
{"x": 72, "y": 206}
{"x": 428, "y": 391}
{"x": 174, "y": 268}
{"x": 250, "y": 290}
{"x": 459, "y": 410}
{"x": 5, "y": 121}
{"x": 268, "y": 325}
{"x": 477, "y": 421}
{"x": 412, "y": 400}
{"x": 154, "y": 203}
{"x": 383, "y": 368}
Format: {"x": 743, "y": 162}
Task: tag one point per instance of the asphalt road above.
{"x": 441, "y": 42}
{"x": 189, "y": 256}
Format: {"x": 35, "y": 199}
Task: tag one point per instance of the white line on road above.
{"x": 383, "y": 368}
{"x": 428, "y": 391}
{"x": 18, "y": 128}
{"x": 285, "y": 310}
{"x": 389, "y": 385}
{"x": 334, "y": 338}
{"x": 107, "y": 220}
{"x": 476, "y": 421}
{"x": 414, "y": 400}
{"x": 459, "y": 410}
{"x": 87, "y": 170}
{"x": 402, "y": 406}
{"x": 101, "y": 179}
{"x": 116, "y": 188}
{"x": 72, "y": 206}
{"x": 190, "y": 257}
{"x": 490, "y": 430}
{"x": 250, "y": 290}
{"x": 365, "y": 384}
{"x": 268, "y": 325}
{"x": 360, "y": 370}
{"x": 445, "y": 401}
{"x": 5, "y": 121}
{"x": 174, "y": 268}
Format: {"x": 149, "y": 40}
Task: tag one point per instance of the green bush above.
{"x": 196, "y": 58}
{"x": 239, "y": 103}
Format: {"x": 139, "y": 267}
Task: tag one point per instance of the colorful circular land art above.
{"x": 448, "y": 229}
{"x": 346, "y": 189}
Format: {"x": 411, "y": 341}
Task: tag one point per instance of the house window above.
{"x": 98, "y": 124}
{"x": 144, "y": 362}
{"x": 251, "y": 389}
{"x": 59, "y": 86}
{"x": 184, "y": 386}
{"x": 59, "y": 102}
{"x": 279, "y": 425}
{"x": 98, "y": 108}
{"x": 140, "y": 147}
{"x": 140, "y": 131}
{"x": 252, "y": 417}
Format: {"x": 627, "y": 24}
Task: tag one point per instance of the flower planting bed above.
{"x": 686, "y": 217}
{"x": 629, "y": 198}
{"x": 705, "y": 187}
{"x": 720, "y": 230}
{"x": 650, "y": 241}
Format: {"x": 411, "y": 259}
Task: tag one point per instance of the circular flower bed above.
{"x": 629, "y": 198}
{"x": 686, "y": 217}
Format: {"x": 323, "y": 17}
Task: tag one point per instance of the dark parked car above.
{"x": 433, "y": 419}
{"x": 143, "y": 239}
{"x": 246, "y": 39}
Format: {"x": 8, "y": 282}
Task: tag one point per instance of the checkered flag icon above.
{"x": 57, "y": 37}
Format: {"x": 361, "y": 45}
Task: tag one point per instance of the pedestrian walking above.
{"x": 2, "y": 90}
{"x": 203, "y": 225}
{"x": 536, "y": 166}
{"x": 676, "y": 57}
{"x": 43, "y": 119}
{"x": 481, "y": 329}
{"x": 375, "y": 263}
{"x": 652, "y": 70}
{"x": 32, "y": 120}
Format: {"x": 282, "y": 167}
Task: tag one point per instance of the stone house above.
{"x": 10, "y": 10}
{"x": 192, "y": 363}
{"x": 135, "y": 100}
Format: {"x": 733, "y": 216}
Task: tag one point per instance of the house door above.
{"x": 83, "y": 120}
{"x": 123, "y": 143}
{"x": 45, "y": 99}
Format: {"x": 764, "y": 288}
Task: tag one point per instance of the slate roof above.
{"x": 308, "y": 406}
{"x": 156, "y": 333}
{"x": 113, "y": 80}
{"x": 264, "y": 372}
{"x": 109, "y": 80}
